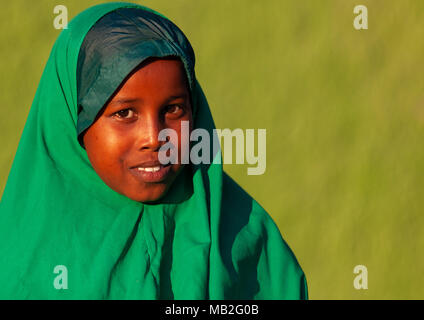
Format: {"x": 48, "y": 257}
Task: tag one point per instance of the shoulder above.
{"x": 240, "y": 209}
{"x": 257, "y": 244}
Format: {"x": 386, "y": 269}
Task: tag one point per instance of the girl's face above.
{"x": 123, "y": 145}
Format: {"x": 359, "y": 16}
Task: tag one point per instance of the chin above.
{"x": 149, "y": 196}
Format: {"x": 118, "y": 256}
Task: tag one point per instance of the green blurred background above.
{"x": 343, "y": 109}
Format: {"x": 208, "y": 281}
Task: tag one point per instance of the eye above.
{"x": 174, "y": 110}
{"x": 124, "y": 114}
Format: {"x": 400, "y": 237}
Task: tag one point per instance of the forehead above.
{"x": 159, "y": 76}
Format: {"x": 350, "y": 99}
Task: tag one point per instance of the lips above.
{"x": 150, "y": 171}
{"x": 147, "y": 164}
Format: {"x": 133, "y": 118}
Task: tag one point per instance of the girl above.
{"x": 89, "y": 211}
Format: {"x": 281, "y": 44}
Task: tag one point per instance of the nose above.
{"x": 148, "y": 134}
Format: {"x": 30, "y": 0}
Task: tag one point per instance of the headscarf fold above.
{"x": 216, "y": 242}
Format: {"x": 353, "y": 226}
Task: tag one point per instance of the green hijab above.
{"x": 214, "y": 242}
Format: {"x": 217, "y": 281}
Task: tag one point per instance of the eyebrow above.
{"x": 178, "y": 96}
{"x": 124, "y": 100}
{"x": 131, "y": 100}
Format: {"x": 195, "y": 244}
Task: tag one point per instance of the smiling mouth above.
{"x": 157, "y": 173}
{"x": 149, "y": 169}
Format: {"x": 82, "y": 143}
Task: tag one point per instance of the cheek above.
{"x": 105, "y": 148}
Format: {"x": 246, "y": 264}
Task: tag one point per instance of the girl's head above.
{"x": 135, "y": 78}
{"x": 122, "y": 144}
